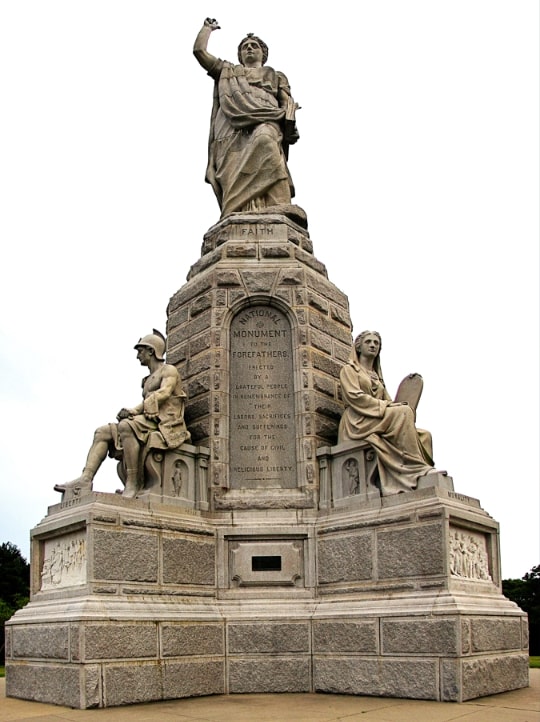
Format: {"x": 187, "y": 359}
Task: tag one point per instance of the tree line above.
{"x": 14, "y": 586}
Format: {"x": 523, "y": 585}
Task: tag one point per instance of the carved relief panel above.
{"x": 469, "y": 555}
{"x": 64, "y": 562}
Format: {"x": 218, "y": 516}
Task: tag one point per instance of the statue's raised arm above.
{"x": 201, "y": 43}
{"x": 251, "y": 128}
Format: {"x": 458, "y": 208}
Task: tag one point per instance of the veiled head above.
{"x": 363, "y": 338}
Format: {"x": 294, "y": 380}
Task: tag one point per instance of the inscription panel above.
{"x": 262, "y": 438}
{"x": 257, "y": 231}
{"x": 246, "y": 569}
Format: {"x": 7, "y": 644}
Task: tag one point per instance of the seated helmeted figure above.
{"x": 404, "y": 453}
{"x": 156, "y": 423}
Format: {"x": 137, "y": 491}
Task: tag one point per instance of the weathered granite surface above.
{"x": 267, "y": 601}
{"x": 297, "y": 544}
{"x": 267, "y": 557}
{"x": 259, "y": 334}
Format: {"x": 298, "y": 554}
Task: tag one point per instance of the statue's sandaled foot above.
{"x": 436, "y": 477}
{"x": 130, "y": 490}
{"x": 74, "y": 488}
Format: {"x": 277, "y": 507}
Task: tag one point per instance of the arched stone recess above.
{"x": 263, "y": 465}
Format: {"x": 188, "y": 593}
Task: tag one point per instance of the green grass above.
{"x": 2, "y": 671}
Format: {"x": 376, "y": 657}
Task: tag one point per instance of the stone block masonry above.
{"x": 265, "y": 601}
{"x": 255, "y": 334}
{"x": 266, "y": 559}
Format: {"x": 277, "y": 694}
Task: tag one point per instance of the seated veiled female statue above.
{"x": 404, "y": 453}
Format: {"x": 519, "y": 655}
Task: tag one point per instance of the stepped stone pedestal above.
{"x": 263, "y": 558}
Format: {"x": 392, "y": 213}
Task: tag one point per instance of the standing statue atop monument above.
{"x": 156, "y": 423}
{"x": 251, "y": 128}
{"x": 403, "y": 451}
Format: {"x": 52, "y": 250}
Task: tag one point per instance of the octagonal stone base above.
{"x": 135, "y": 601}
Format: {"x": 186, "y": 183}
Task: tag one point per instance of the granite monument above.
{"x": 302, "y": 540}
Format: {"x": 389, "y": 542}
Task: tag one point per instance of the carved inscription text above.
{"x": 262, "y": 438}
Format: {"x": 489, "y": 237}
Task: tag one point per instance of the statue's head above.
{"x": 155, "y": 341}
{"x": 364, "y": 338}
{"x": 252, "y": 49}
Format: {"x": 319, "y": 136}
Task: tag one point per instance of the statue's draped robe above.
{"x": 169, "y": 431}
{"x": 403, "y": 452}
{"x": 246, "y": 162}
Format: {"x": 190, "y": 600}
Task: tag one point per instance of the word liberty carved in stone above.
{"x": 262, "y": 438}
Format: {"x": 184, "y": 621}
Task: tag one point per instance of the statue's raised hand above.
{"x": 212, "y": 23}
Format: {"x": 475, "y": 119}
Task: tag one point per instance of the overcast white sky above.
{"x": 418, "y": 167}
